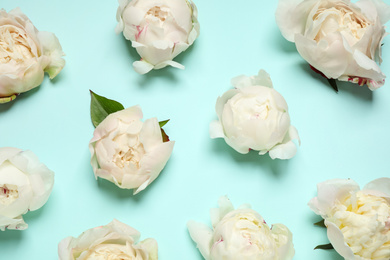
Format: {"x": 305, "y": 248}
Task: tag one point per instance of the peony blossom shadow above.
{"x": 31, "y": 216}
{"x": 362, "y": 92}
{"x": 134, "y": 56}
{"x": 187, "y": 54}
{"x": 167, "y": 73}
{"x": 277, "y": 167}
{"x": 11, "y": 235}
{"x": 282, "y": 43}
{"x": 7, "y": 106}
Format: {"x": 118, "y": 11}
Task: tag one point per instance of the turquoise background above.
{"x": 344, "y": 135}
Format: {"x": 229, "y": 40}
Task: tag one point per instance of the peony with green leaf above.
{"x": 357, "y": 220}
{"x": 124, "y": 149}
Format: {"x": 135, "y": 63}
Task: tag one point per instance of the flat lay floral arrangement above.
{"x": 160, "y": 117}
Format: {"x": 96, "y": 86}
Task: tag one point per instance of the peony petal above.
{"x": 12, "y": 223}
{"x": 7, "y": 153}
{"x": 383, "y": 10}
{"x": 381, "y": 185}
{"x": 142, "y": 67}
{"x": 52, "y": 48}
{"x": 154, "y": 162}
{"x": 64, "y": 250}
{"x": 170, "y": 63}
{"x": 284, "y": 241}
{"x": 287, "y": 149}
{"x": 336, "y": 237}
{"x": 149, "y": 245}
{"x": 150, "y": 135}
{"x": 221, "y": 101}
{"x": 216, "y": 130}
{"x": 202, "y": 235}
{"x": 283, "y": 151}
{"x": 329, "y": 192}
{"x": 225, "y": 206}
{"x": 291, "y": 16}
{"x": 262, "y": 79}
{"x": 328, "y": 56}
{"x": 241, "y": 82}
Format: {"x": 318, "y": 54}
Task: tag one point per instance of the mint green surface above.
{"x": 344, "y": 135}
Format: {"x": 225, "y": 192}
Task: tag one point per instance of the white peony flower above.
{"x": 340, "y": 39}
{"x": 358, "y": 221}
{"x": 127, "y": 151}
{"x": 241, "y": 234}
{"x": 255, "y": 116}
{"x": 25, "y": 55}
{"x": 25, "y": 185}
{"x": 113, "y": 241}
{"x": 158, "y": 29}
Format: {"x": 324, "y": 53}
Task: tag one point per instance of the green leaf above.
{"x": 324, "y": 247}
{"x": 162, "y": 123}
{"x": 101, "y": 107}
{"x": 320, "y": 223}
{"x": 333, "y": 83}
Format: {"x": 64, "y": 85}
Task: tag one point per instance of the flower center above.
{"x": 110, "y": 252}
{"x": 262, "y": 111}
{"x": 14, "y": 45}
{"x": 8, "y": 194}
{"x": 157, "y": 12}
{"x": 341, "y": 18}
{"x": 364, "y": 221}
{"x": 130, "y": 155}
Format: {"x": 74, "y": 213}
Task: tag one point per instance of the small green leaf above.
{"x": 162, "y": 123}
{"x": 101, "y": 107}
{"x": 320, "y": 223}
{"x": 164, "y": 136}
{"x": 324, "y": 247}
{"x": 333, "y": 83}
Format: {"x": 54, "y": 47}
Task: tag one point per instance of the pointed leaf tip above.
{"x": 324, "y": 247}
{"x": 101, "y": 107}
{"x": 162, "y": 123}
{"x": 320, "y": 223}
{"x": 333, "y": 83}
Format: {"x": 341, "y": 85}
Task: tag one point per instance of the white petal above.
{"x": 142, "y": 67}
{"x": 216, "y": 130}
{"x": 329, "y": 192}
{"x": 283, "y": 151}
{"x": 262, "y": 79}
{"x": 52, "y": 48}
{"x": 284, "y": 241}
{"x": 225, "y": 206}
{"x": 330, "y": 57}
{"x": 150, "y": 135}
{"x": 336, "y": 237}
{"x": 381, "y": 185}
{"x": 291, "y": 16}
{"x": 64, "y": 250}
{"x": 202, "y": 235}
{"x": 241, "y": 82}
{"x": 12, "y": 223}
{"x": 170, "y": 63}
